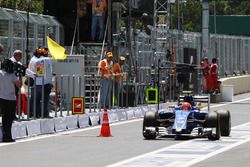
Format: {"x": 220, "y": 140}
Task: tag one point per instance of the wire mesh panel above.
{"x": 53, "y": 27}
{"x": 13, "y": 30}
{"x": 18, "y": 24}
{"x": 31, "y": 30}
{"x": 4, "y": 30}
{"x": 41, "y": 29}
{"x": 4, "y": 24}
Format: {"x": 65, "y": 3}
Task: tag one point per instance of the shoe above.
{"x": 8, "y": 140}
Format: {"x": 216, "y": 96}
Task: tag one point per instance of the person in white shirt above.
{"x": 41, "y": 65}
{"x": 17, "y": 56}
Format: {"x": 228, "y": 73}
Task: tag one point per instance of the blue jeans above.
{"x": 38, "y": 101}
{"x": 97, "y": 21}
{"x": 105, "y": 92}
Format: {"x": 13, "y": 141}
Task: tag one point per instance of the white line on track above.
{"x": 66, "y": 132}
{"x": 179, "y": 145}
{"x": 216, "y": 152}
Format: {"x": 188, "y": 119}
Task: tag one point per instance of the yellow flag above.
{"x": 57, "y": 52}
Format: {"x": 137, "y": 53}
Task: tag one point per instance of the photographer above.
{"x": 8, "y": 81}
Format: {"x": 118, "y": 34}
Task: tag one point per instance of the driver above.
{"x": 186, "y": 106}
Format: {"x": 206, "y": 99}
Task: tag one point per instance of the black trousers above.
{"x": 8, "y": 108}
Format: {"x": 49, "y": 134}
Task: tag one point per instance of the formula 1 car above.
{"x": 187, "y": 119}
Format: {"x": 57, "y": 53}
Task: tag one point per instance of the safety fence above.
{"x": 232, "y": 52}
{"x": 122, "y": 95}
{"x": 15, "y": 35}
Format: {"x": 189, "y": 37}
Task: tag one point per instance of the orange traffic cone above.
{"x": 105, "y": 131}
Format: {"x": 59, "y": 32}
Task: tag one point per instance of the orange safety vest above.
{"x": 105, "y": 67}
{"x": 117, "y": 70}
{"x": 99, "y": 7}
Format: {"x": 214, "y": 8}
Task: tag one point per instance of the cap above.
{"x": 38, "y": 50}
{"x": 122, "y": 58}
{"x": 109, "y": 54}
{"x": 45, "y": 51}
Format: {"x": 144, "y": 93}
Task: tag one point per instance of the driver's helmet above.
{"x": 189, "y": 99}
{"x": 185, "y": 106}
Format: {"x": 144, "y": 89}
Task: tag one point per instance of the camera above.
{"x": 19, "y": 69}
{"x": 12, "y": 67}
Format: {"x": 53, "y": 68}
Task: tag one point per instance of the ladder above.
{"x": 92, "y": 52}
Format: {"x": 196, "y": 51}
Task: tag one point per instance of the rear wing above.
{"x": 196, "y": 98}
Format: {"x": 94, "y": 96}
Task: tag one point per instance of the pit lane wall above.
{"x": 240, "y": 84}
{"x": 32, "y": 128}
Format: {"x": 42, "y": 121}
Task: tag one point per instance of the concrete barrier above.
{"x": 240, "y": 83}
{"x": 60, "y": 124}
{"x": 227, "y": 93}
{"x": 152, "y": 107}
{"x": 113, "y": 116}
{"x": 122, "y": 114}
{"x": 144, "y": 109}
{"x": 33, "y": 127}
{"x": 18, "y": 130}
{"x": 83, "y": 121}
{"x": 138, "y": 112}
{"x": 72, "y": 122}
{"x": 47, "y": 126}
{"x": 130, "y": 114}
{"x": 94, "y": 118}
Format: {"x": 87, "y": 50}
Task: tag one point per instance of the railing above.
{"x": 123, "y": 94}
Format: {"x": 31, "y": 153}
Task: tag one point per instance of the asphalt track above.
{"x": 82, "y": 148}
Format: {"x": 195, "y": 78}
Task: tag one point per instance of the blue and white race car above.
{"x": 187, "y": 119}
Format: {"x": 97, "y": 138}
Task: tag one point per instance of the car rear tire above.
{"x": 149, "y": 121}
{"x": 225, "y": 122}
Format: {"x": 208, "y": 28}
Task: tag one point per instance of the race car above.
{"x": 187, "y": 119}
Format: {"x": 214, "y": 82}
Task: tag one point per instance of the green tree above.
{"x": 36, "y": 6}
{"x": 192, "y": 11}
{"x": 189, "y": 16}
